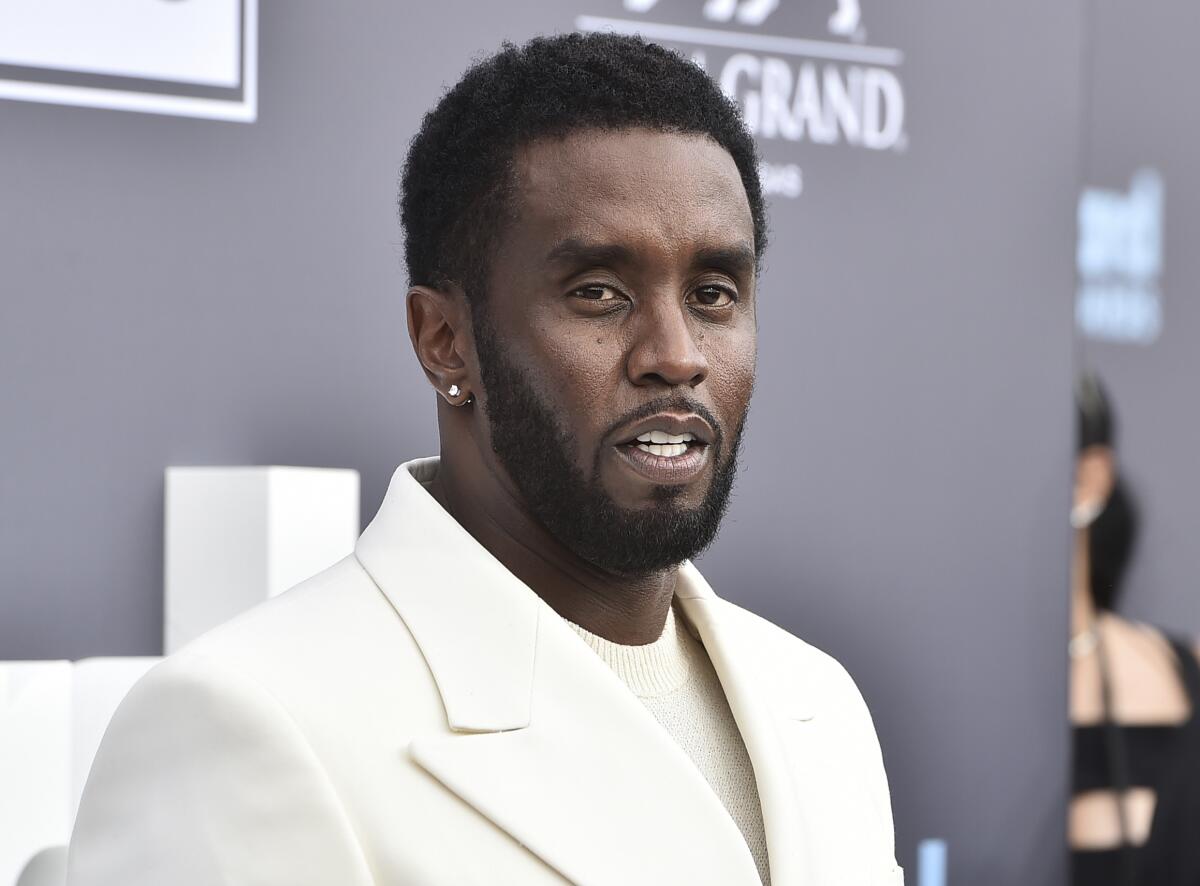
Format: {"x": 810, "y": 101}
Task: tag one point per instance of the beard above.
{"x": 535, "y": 448}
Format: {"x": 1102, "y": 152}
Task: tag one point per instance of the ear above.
{"x": 439, "y": 327}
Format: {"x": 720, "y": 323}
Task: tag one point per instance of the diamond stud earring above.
{"x": 455, "y": 391}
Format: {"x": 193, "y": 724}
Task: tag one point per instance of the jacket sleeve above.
{"x": 203, "y": 779}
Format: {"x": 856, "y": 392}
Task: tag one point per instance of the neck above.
{"x": 1083, "y": 610}
{"x": 629, "y": 611}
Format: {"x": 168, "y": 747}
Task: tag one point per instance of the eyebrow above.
{"x": 737, "y": 259}
{"x": 576, "y": 251}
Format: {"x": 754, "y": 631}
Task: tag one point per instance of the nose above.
{"x": 665, "y": 351}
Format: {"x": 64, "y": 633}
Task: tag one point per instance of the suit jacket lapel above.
{"x": 813, "y": 782}
{"x": 765, "y": 713}
{"x": 473, "y": 620}
{"x": 594, "y": 786}
{"x": 542, "y": 738}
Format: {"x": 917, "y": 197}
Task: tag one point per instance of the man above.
{"x": 519, "y": 677}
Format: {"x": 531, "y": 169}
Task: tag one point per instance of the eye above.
{"x": 712, "y": 296}
{"x": 597, "y": 292}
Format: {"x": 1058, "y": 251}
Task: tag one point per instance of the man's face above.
{"x": 621, "y": 307}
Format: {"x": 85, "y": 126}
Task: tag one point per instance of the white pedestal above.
{"x": 237, "y": 536}
{"x": 52, "y": 717}
{"x": 35, "y": 761}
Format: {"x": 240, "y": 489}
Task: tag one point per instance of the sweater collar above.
{"x": 652, "y": 669}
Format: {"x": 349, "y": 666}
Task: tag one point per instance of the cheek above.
{"x": 581, "y": 369}
{"x": 579, "y": 376}
{"x": 731, "y": 374}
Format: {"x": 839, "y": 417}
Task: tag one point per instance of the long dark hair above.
{"x": 1113, "y": 533}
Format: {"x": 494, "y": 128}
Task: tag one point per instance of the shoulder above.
{"x": 231, "y": 743}
{"x": 330, "y": 651}
{"x": 201, "y": 773}
{"x": 333, "y": 623}
{"x": 1144, "y": 666}
{"x": 340, "y": 597}
{"x": 1129, "y": 638}
{"x": 238, "y": 673}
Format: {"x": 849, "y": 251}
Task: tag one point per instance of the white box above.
{"x": 236, "y": 536}
{"x": 35, "y": 761}
{"x": 176, "y": 42}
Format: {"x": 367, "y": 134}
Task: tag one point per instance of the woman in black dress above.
{"x": 1134, "y": 817}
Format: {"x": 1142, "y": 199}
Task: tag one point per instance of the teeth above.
{"x": 661, "y": 437}
{"x": 669, "y": 450}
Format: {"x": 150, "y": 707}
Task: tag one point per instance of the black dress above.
{"x": 1165, "y": 759}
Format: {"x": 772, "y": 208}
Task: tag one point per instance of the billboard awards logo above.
{"x": 831, "y": 90}
{"x": 1120, "y": 258}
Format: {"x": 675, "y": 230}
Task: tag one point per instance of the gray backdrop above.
{"x": 1142, "y": 114}
{"x": 188, "y": 292}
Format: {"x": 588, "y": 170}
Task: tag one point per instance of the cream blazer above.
{"x": 416, "y": 715}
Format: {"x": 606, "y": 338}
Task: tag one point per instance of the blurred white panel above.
{"x": 35, "y": 761}
{"x": 182, "y": 42}
{"x": 313, "y": 522}
{"x": 236, "y": 536}
{"x": 99, "y": 685}
{"x": 191, "y": 58}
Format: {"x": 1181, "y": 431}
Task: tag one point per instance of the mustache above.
{"x": 672, "y": 404}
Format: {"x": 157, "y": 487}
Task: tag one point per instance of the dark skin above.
{"x": 628, "y": 274}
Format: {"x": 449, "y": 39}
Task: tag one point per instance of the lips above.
{"x": 666, "y": 470}
{"x": 666, "y": 448}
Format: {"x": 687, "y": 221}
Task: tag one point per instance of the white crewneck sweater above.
{"x": 674, "y": 678}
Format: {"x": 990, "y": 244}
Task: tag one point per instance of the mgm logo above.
{"x": 831, "y": 90}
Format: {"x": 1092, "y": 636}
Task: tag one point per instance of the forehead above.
{"x": 668, "y": 189}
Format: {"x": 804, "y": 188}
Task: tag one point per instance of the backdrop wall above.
{"x": 184, "y": 291}
{"x": 1141, "y": 115}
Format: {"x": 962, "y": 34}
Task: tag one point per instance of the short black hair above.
{"x": 456, "y": 187}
